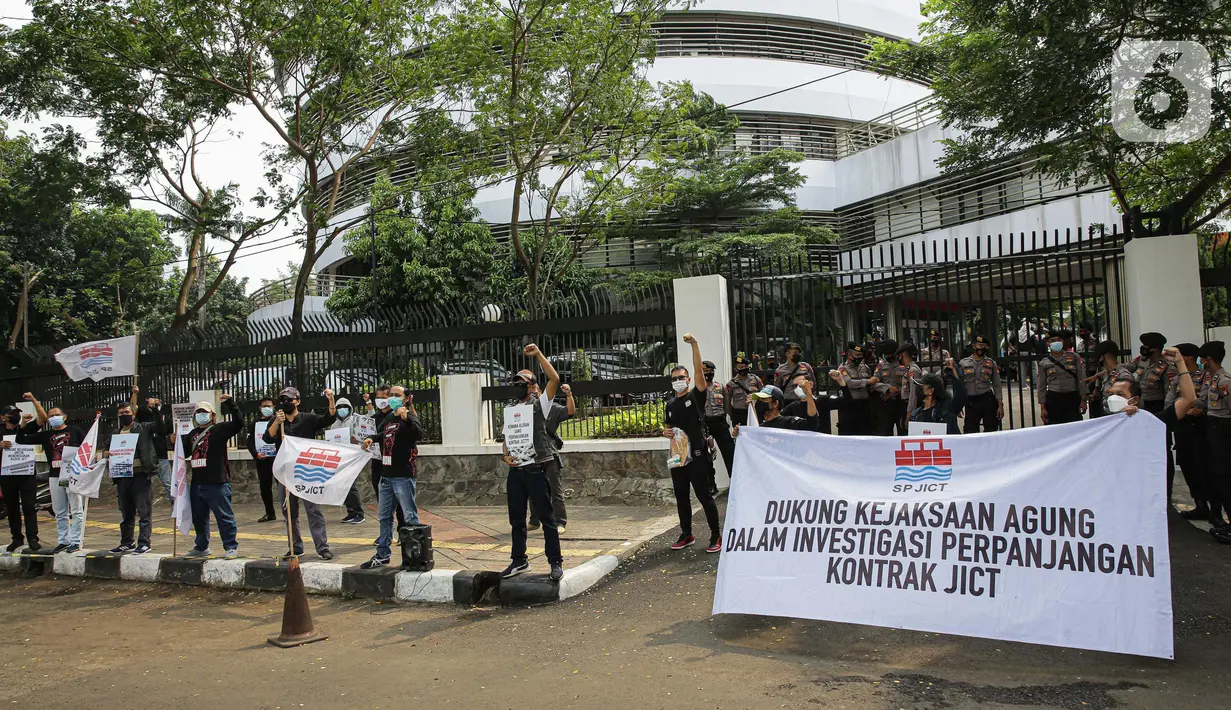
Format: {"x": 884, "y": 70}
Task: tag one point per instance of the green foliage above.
{"x": 412, "y": 376}
{"x": 1214, "y": 251}
{"x": 643, "y": 420}
{"x": 228, "y": 309}
{"x": 1034, "y": 79}
{"x": 282, "y": 286}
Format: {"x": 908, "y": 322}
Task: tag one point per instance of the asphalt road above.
{"x": 643, "y": 639}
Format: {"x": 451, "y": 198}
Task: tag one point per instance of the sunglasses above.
{"x": 679, "y": 378}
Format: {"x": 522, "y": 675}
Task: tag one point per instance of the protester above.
{"x": 531, "y": 467}
{"x": 1215, "y": 406}
{"x": 935, "y": 404}
{"x": 854, "y": 413}
{"x": 68, "y": 507}
{"x": 934, "y": 356}
{"x": 981, "y": 375}
{"x": 161, "y": 427}
{"x": 263, "y": 459}
{"x": 1189, "y": 438}
{"x": 770, "y": 401}
{"x": 739, "y": 387}
{"x": 205, "y": 448}
{"x": 800, "y": 400}
{"x": 684, "y": 414}
{"x": 347, "y": 419}
{"x": 135, "y": 493}
{"x": 400, "y": 433}
{"x": 555, "y": 476}
{"x": 379, "y": 409}
{"x": 716, "y": 422}
{"x": 20, "y": 492}
{"x": 794, "y": 365}
{"x": 290, "y": 421}
{"x": 1062, "y": 389}
{"x": 1109, "y": 372}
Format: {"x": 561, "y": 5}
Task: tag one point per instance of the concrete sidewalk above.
{"x": 475, "y": 538}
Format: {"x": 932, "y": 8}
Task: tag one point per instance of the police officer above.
{"x": 743, "y": 384}
{"x": 898, "y": 390}
{"x": 884, "y": 382}
{"x": 934, "y": 356}
{"x": 1154, "y": 374}
{"x": 854, "y": 414}
{"x": 1215, "y": 406}
{"x": 716, "y": 420}
{"x": 981, "y": 375}
{"x": 765, "y": 368}
{"x": 1062, "y": 388}
{"x": 1188, "y": 436}
{"x": 1110, "y": 371}
{"x": 794, "y": 365}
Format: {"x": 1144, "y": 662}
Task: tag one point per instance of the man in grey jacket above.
{"x": 136, "y": 495}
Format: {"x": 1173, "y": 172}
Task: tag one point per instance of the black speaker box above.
{"x": 416, "y": 542}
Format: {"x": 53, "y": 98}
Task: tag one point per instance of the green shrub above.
{"x": 643, "y": 420}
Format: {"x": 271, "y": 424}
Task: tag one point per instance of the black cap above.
{"x": 1155, "y": 341}
{"x": 7, "y": 410}
{"x": 980, "y": 340}
{"x": 907, "y": 348}
{"x": 707, "y": 364}
{"x": 1215, "y": 349}
{"x": 887, "y": 347}
{"x": 741, "y": 360}
{"x": 1060, "y": 333}
{"x": 1105, "y": 348}
{"x": 290, "y": 392}
{"x": 771, "y": 355}
{"x": 793, "y": 346}
{"x": 1188, "y": 349}
{"x": 525, "y": 376}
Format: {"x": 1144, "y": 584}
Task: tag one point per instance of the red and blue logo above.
{"x": 921, "y": 460}
{"x": 317, "y": 465}
{"x": 96, "y": 355}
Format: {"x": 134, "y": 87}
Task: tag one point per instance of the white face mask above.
{"x": 1116, "y": 403}
{"x": 381, "y": 403}
{"x": 799, "y": 392}
{"x": 679, "y": 385}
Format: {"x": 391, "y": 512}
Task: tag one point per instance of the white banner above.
{"x": 318, "y": 471}
{"x": 1054, "y": 535}
{"x": 18, "y": 459}
{"x": 121, "y": 455}
{"x": 181, "y": 508}
{"x": 84, "y": 474}
{"x": 100, "y": 359}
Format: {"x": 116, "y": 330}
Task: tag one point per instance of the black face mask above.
{"x": 742, "y": 371}
{"x": 709, "y": 377}
{"x": 980, "y": 351}
{"x": 936, "y": 342}
{"x": 762, "y": 409}
{"x": 126, "y": 420}
{"x": 901, "y": 360}
{"x": 1145, "y": 351}
{"x": 288, "y": 407}
{"x": 14, "y": 419}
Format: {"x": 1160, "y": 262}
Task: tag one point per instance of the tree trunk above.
{"x": 21, "y": 312}
{"x": 196, "y": 247}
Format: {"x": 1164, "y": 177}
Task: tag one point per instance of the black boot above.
{"x": 1201, "y": 512}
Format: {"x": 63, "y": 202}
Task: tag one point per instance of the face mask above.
{"x": 395, "y": 403}
{"x": 381, "y": 403}
{"x": 762, "y": 409}
{"x": 288, "y": 407}
{"x": 201, "y": 418}
{"x": 980, "y": 351}
{"x": 742, "y": 371}
{"x": 343, "y": 412}
{"x": 792, "y": 357}
{"x": 1115, "y": 403}
{"x": 709, "y": 377}
{"x": 679, "y": 386}
{"x": 14, "y": 419}
{"x": 799, "y": 392}
{"x": 1145, "y": 351}
{"x": 126, "y": 420}
{"x": 901, "y": 360}
{"x": 1055, "y": 347}
{"x": 56, "y": 422}
{"x": 267, "y": 411}
{"x": 936, "y": 342}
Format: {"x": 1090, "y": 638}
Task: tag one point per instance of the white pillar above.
{"x": 1163, "y": 288}
{"x": 702, "y": 308}
{"x": 464, "y": 419}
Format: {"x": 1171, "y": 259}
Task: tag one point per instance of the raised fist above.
{"x": 568, "y": 391}
{"x": 224, "y": 397}
{"x": 328, "y": 393}
{"x": 690, "y": 339}
{"x": 367, "y": 398}
{"x": 28, "y": 397}
{"x": 136, "y": 389}
{"x": 531, "y": 350}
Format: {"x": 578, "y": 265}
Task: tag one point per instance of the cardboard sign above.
{"x": 519, "y": 433}
{"x": 262, "y": 448}
{"x": 341, "y": 435}
{"x": 122, "y": 453}
{"x": 17, "y": 460}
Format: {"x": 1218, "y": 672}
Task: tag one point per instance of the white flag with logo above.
{"x": 318, "y": 471}
{"x": 84, "y": 474}
{"x": 182, "y": 508}
{"x": 100, "y": 359}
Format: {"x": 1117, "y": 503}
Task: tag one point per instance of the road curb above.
{"x": 464, "y": 587}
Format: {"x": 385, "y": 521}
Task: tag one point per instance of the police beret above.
{"x": 907, "y": 348}
{"x": 887, "y": 347}
{"x": 1188, "y": 349}
{"x": 980, "y": 340}
{"x": 857, "y": 349}
{"x": 707, "y": 363}
{"x": 793, "y": 346}
{"x": 935, "y": 333}
{"x": 1107, "y": 347}
{"x": 741, "y": 360}
{"x": 1154, "y": 340}
{"x": 1215, "y": 349}
{"x": 1060, "y": 333}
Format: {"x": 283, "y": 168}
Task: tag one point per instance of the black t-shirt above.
{"x": 399, "y": 446}
{"x": 791, "y": 423}
{"x": 558, "y": 415}
{"x": 53, "y": 442}
{"x": 305, "y": 426}
{"x": 206, "y": 448}
{"x": 1167, "y": 416}
{"x": 684, "y": 413}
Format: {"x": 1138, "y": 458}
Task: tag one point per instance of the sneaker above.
{"x": 72, "y": 548}
{"x": 59, "y": 548}
{"x": 122, "y": 549}
{"x": 326, "y": 555}
{"x": 35, "y": 546}
{"x": 533, "y": 526}
{"x": 353, "y": 519}
{"x": 515, "y": 569}
{"x": 374, "y": 563}
{"x": 231, "y": 553}
{"x": 14, "y": 545}
{"x": 141, "y": 549}
{"x": 562, "y": 527}
{"x": 715, "y": 546}
{"x": 288, "y": 554}
{"x": 557, "y": 571}
{"x": 684, "y": 541}
{"x": 267, "y": 518}
{"x": 194, "y": 553}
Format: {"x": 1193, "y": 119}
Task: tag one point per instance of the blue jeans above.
{"x": 403, "y": 490}
{"x": 215, "y": 498}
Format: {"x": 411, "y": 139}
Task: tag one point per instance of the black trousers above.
{"x": 696, "y": 474}
{"x": 893, "y": 414}
{"x": 721, "y": 431}
{"x": 136, "y": 496}
{"x": 21, "y": 503}
{"x": 1063, "y": 407}
{"x": 981, "y": 412}
{"x": 397, "y": 509}
{"x": 1190, "y": 454}
{"x": 555, "y": 483}
{"x": 1218, "y": 460}
{"x": 265, "y": 474}
{"x": 855, "y": 417}
{"x": 530, "y": 484}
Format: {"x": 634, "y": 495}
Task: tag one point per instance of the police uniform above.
{"x": 1154, "y": 374}
{"x": 879, "y": 367}
{"x": 738, "y": 388}
{"x": 855, "y": 414}
{"x": 1216, "y": 404}
{"x": 936, "y": 357}
{"x": 1062, "y": 388}
{"x": 716, "y": 423}
{"x": 981, "y": 375}
{"x": 1188, "y": 435}
{"x": 898, "y": 404}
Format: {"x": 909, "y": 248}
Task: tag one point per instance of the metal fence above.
{"x": 1002, "y": 287}
{"x": 1214, "y": 257}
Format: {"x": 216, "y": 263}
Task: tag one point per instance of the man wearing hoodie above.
{"x": 347, "y": 419}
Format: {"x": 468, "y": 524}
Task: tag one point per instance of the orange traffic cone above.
{"x": 297, "y": 626}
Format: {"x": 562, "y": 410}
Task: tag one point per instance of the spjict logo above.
{"x": 96, "y": 355}
{"x": 923, "y": 465}
{"x": 317, "y": 465}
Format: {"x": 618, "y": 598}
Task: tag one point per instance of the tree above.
{"x": 430, "y": 246}
{"x": 333, "y": 81}
{"x": 1034, "y": 80}
{"x": 560, "y": 88}
{"x": 282, "y": 286}
{"x": 228, "y": 310}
